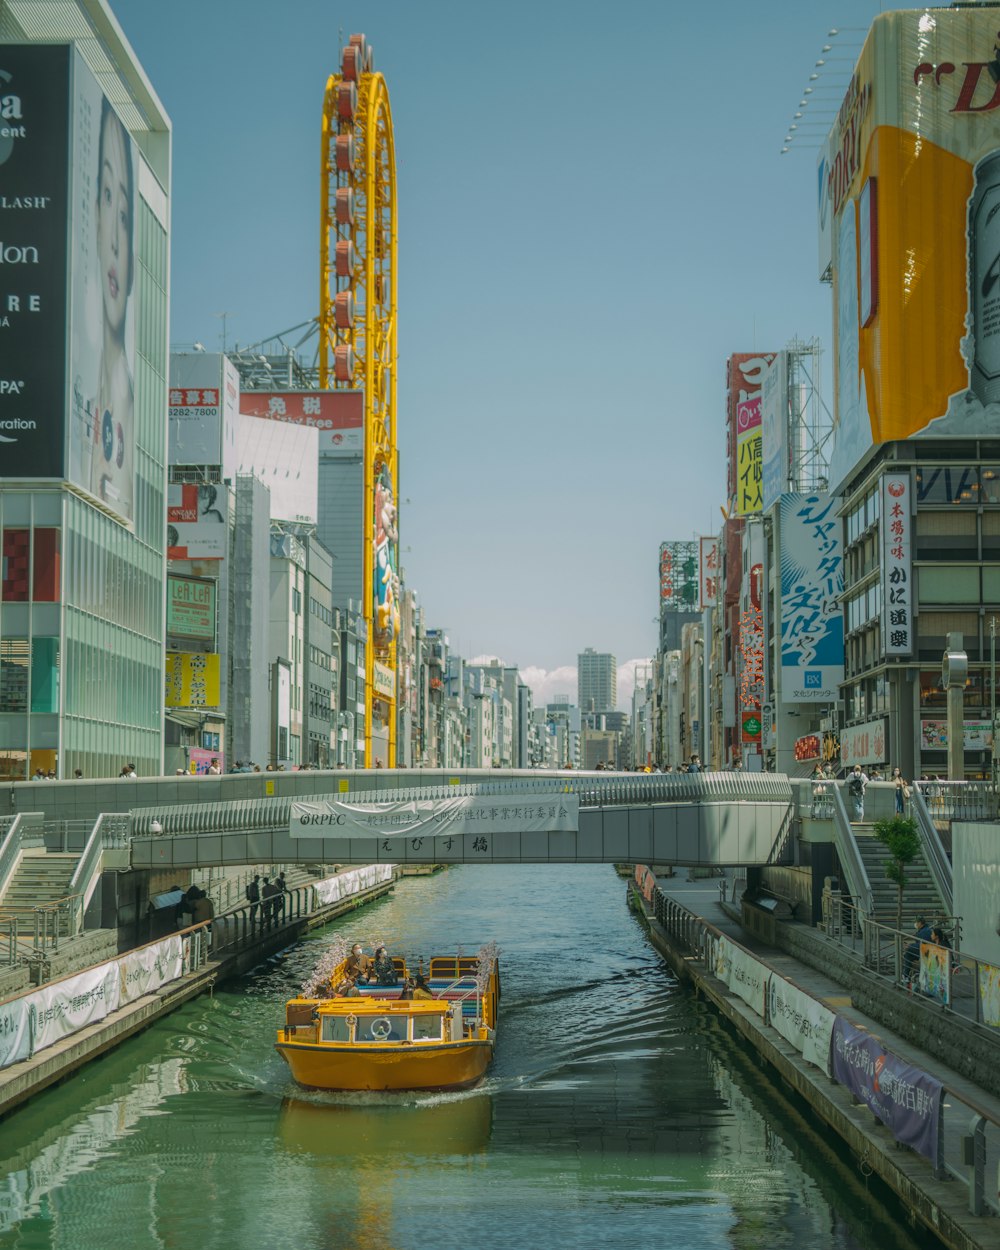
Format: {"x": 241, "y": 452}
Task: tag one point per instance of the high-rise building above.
{"x": 83, "y": 471}
{"x": 596, "y": 681}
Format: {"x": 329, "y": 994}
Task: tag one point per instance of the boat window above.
{"x": 426, "y": 1028}
{"x": 381, "y": 1029}
{"x": 335, "y": 1029}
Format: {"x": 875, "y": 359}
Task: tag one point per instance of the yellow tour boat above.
{"x": 377, "y": 1039}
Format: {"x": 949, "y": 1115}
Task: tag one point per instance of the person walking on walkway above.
{"x": 857, "y": 783}
{"x": 253, "y": 898}
{"x": 901, "y": 791}
{"x": 269, "y": 894}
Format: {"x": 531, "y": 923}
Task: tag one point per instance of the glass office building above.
{"x": 85, "y": 212}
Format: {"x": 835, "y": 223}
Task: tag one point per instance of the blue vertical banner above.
{"x": 812, "y": 578}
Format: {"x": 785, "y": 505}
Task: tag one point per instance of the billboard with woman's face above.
{"x": 101, "y": 426}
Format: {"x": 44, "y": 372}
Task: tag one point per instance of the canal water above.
{"x": 618, "y": 1112}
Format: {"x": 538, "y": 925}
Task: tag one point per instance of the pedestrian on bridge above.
{"x": 857, "y": 783}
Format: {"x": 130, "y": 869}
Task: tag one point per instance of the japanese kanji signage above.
{"x": 812, "y": 578}
{"x": 338, "y": 415}
{"x": 479, "y": 816}
{"x": 897, "y": 571}
{"x": 193, "y": 679}
{"x": 744, "y": 376}
{"x": 708, "y": 572}
{"x": 863, "y": 744}
{"x": 678, "y": 575}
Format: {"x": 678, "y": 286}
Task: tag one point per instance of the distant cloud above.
{"x": 547, "y": 683}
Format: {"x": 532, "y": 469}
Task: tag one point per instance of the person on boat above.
{"x": 359, "y": 965}
{"x": 383, "y": 969}
{"x": 347, "y": 988}
{"x": 420, "y": 987}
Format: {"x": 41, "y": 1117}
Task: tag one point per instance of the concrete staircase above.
{"x": 39, "y": 879}
{"x": 920, "y": 897}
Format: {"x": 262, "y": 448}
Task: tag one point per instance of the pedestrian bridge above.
{"x": 416, "y": 817}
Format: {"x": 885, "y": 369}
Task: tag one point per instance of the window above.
{"x": 381, "y": 1029}
{"x": 16, "y": 544}
{"x": 949, "y": 583}
{"x": 427, "y": 1028}
{"x": 335, "y": 1029}
{"x": 14, "y": 675}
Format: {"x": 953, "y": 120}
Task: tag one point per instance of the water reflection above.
{"x": 616, "y": 1109}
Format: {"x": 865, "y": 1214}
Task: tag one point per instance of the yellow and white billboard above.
{"x": 193, "y": 679}
{"x": 912, "y": 169}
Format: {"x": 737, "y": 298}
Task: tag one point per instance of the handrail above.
{"x": 110, "y": 830}
{"x": 851, "y": 863}
{"x": 934, "y": 852}
{"x": 10, "y": 853}
{"x": 47, "y": 918}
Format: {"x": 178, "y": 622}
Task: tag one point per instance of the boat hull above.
{"x": 454, "y": 1065}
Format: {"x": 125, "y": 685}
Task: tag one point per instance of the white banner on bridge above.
{"x": 540, "y": 813}
{"x": 146, "y": 969}
{"x": 801, "y": 1020}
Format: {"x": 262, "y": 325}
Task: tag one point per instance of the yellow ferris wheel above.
{"x": 357, "y": 348}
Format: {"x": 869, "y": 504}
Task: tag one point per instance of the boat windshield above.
{"x": 381, "y": 1029}
{"x": 335, "y": 1029}
{"x": 427, "y": 1028}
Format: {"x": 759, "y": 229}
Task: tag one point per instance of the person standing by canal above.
{"x": 902, "y": 791}
{"x": 253, "y": 898}
{"x": 269, "y": 895}
{"x": 857, "y": 783}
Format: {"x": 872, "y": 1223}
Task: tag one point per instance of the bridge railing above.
{"x": 592, "y": 789}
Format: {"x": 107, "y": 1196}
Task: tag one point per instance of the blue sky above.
{"x": 594, "y": 213}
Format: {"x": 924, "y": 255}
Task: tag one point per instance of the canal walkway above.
{"x": 237, "y": 947}
{"x": 958, "y": 1199}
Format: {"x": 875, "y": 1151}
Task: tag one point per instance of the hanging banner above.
{"x": 774, "y": 421}
{"x": 905, "y": 1099}
{"x": 863, "y": 744}
{"x": 801, "y": 1020}
{"x": 896, "y": 572}
{"x": 331, "y": 818}
{"x": 15, "y": 1032}
{"x": 744, "y": 975}
{"x": 812, "y": 580}
{"x": 61, "y": 1008}
{"x": 344, "y": 884}
{"x": 144, "y": 970}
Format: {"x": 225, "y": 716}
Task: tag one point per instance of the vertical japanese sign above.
{"x": 193, "y": 679}
{"x": 749, "y": 465}
{"x": 751, "y": 639}
{"x": 708, "y": 572}
{"x": 897, "y": 571}
{"x": 744, "y": 376}
{"x": 812, "y": 579}
{"x": 678, "y": 575}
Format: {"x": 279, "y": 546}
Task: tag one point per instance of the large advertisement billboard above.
{"x": 100, "y": 451}
{"x": 197, "y": 521}
{"x": 812, "y": 580}
{"x": 708, "y": 572}
{"x": 191, "y": 608}
{"x": 34, "y": 205}
{"x": 914, "y": 184}
{"x": 744, "y": 376}
{"x": 774, "y": 421}
{"x": 678, "y": 575}
{"x": 338, "y": 415}
{"x": 202, "y": 411}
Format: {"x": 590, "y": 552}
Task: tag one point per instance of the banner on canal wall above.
{"x": 145, "y": 970}
{"x": 801, "y": 1020}
{"x": 905, "y": 1099}
{"x": 447, "y": 817}
{"x": 744, "y": 975}
{"x": 333, "y": 889}
{"x": 66, "y": 1006}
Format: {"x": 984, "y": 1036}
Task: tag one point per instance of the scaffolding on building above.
{"x": 810, "y": 422}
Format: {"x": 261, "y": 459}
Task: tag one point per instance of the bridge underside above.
{"x": 700, "y": 834}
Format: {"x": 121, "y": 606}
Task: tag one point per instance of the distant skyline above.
{"x": 594, "y": 213}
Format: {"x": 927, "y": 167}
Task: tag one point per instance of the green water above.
{"x": 617, "y": 1112}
